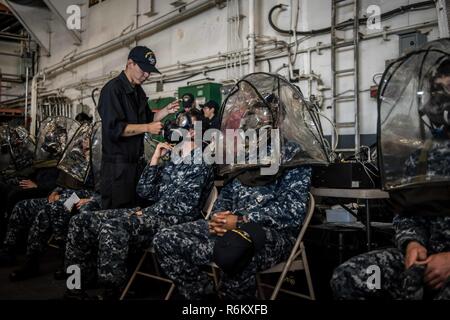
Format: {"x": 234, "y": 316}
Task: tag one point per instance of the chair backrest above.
{"x": 309, "y": 214}
{"x": 207, "y": 208}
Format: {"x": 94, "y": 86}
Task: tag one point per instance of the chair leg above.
{"x": 215, "y": 278}
{"x": 308, "y": 274}
{"x": 50, "y": 242}
{"x": 169, "y": 294}
{"x": 282, "y": 276}
{"x": 138, "y": 267}
{"x": 155, "y": 265}
{"x": 260, "y": 289}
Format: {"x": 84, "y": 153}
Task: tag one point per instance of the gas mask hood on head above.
{"x": 53, "y": 137}
{"x": 21, "y": 146}
{"x": 269, "y": 105}
{"x": 414, "y": 120}
{"x": 77, "y": 158}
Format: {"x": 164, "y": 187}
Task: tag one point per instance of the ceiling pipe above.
{"x": 10, "y": 54}
{"x": 12, "y": 36}
{"x": 251, "y": 35}
{"x": 193, "y": 8}
{"x": 443, "y": 18}
{"x": 34, "y": 99}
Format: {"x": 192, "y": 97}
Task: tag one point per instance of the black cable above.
{"x": 93, "y": 96}
{"x": 387, "y": 15}
{"x": 290, "y": 32}
{"x": 270, "y": 65}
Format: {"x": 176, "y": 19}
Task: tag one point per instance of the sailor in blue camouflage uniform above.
{"x": 279, "y": 207}
{"x": 419, "y": 267}
{"x": 401, "y": 275}
{"x": 99, "y": 242}
{"x": 265, "y": 209}
{"x": 420, "y": 239}
{"x": 34, "y": 177}
{"x": 40, "y": 218}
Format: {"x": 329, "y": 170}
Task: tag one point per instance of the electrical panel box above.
{"x": 411, "y": 41}
{"x": 203, "y": 92}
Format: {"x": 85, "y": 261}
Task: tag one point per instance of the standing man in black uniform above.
{"x": 125, "y": 118}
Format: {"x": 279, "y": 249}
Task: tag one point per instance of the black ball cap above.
{"x": 145, "y": 58}
{"x": 235, "y": 249}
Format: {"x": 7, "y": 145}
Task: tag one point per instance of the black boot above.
{"x": 76, "y": 295}
{"x": 29, "y": 270}
{"x": 110, "y": 293}
{"x": 60, "y": 274}
{"x": 7, "y": 257}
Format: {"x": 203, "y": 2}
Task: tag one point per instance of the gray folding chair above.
{"x": 207, "y": 208}
{"x": 206, "y": 212}
{"x": 51, "y": 242}
{"x": 297, "y": 261}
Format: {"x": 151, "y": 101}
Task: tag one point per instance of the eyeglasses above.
{"x": 142, "y": 71}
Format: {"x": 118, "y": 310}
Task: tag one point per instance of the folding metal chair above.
{"x": 206, "y": 212}
{"x": 209, "y": 204}
{"x": 51, "y": 242}
{"x": 297, "y": 261}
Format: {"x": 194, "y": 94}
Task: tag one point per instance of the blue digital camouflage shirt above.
{"x": 176, "y": 189}
{"x": 281, "y": 205}
{"x": 430, "y": 230}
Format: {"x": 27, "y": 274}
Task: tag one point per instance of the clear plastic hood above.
{"x": 21, "y": 146}
{"x": 53, "y": 137}
{"x": 413, "y": 118}
{"x": 263, "y": 101}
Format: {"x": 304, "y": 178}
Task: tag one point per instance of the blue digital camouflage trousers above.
{"x": 41, "y": 219}
{"x": 352, "y": 280}
{"x": 183, "y": 251}
{"x": 99, "y": 242}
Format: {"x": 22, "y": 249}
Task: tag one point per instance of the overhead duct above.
{"x": 59, "y": 9}
{"x": 251, "y": 35}
{"x": 443, "y": 14}
{"x": 34, "y": 16}
{"x": 30, "y": 3}
{"x": 191, "y": 9}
